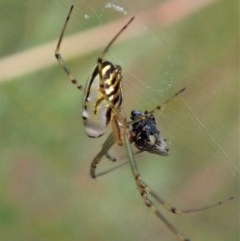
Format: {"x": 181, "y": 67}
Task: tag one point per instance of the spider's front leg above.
{"x": 59, "y": 58}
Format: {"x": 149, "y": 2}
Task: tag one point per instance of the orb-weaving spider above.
{"x": 101, "y": 105}
{"x": 103, "y": 92}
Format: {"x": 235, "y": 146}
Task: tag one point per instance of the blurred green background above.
{"x": 46, "y": 192}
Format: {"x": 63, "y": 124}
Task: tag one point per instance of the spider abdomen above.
{"x": 98, "y": 110}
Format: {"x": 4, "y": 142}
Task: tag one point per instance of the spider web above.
{"x": 170, "y": 45}
{"x": 163, "y": 56}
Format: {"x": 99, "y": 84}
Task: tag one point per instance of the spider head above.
{"x": 146, "y": 135}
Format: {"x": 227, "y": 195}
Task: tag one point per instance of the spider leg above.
{"x": 114, "y": 159}
{"x": 104, "y": 152}
{"x": 111, "y": 158}
{"x": 100, "y": 58}
{"x": 160, "y": 107}
{"x": 106, "y": 146}
{"x": 165, "y": 204}
{"x": 111, "y": 169}
{"x": 59, "y": 58}
{"x": 143, "y": 190}
{"x": 99, "y": 63}
{"x": 175, "y": 210}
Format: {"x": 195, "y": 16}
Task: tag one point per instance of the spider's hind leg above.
{"x": 144, "y": 192}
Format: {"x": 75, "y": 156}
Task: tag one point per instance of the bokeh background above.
{"x": 46, "y": 192}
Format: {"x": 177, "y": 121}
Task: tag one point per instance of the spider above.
{"x": 101, "y": 105}
{"x": 103, "y": 92}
